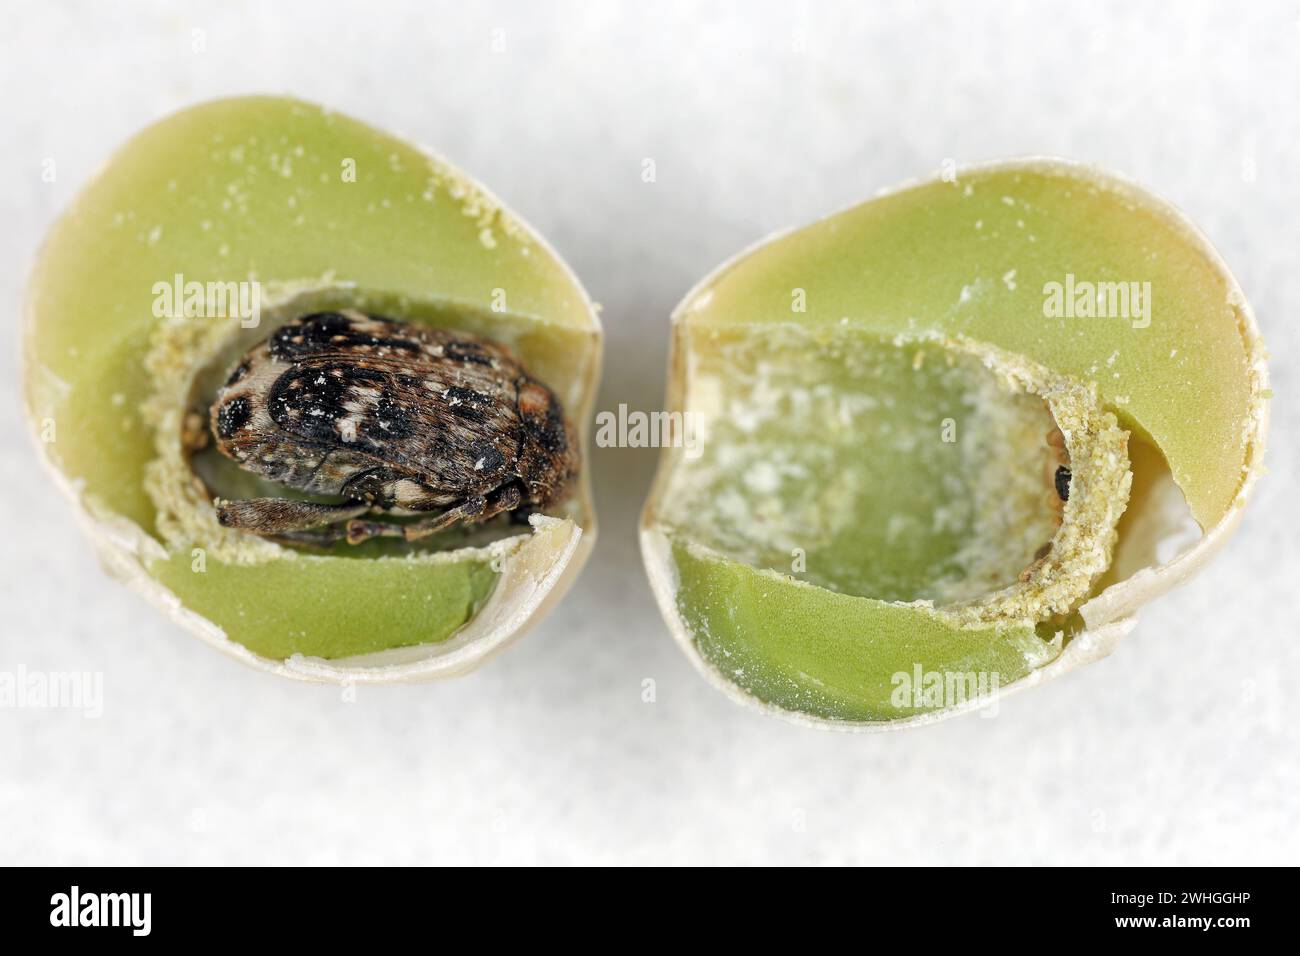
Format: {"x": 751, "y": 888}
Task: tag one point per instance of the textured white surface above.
{"x": 1180, "y": 748}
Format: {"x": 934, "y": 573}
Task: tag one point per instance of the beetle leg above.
{"x": 314, "y": 537}
{"x": 505, "y": 498}
{"x": 272, "y": 516}
{"x": 472, "y": 510}
{"x": 467, "y": 510}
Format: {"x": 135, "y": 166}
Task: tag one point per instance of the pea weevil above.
{"x": 393, "y": 418}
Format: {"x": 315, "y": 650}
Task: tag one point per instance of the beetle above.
{"x": 1059, "y": 477}
{"x": 394, "y": 418}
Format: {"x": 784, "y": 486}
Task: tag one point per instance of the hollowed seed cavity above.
{"x": 919, "y": 470}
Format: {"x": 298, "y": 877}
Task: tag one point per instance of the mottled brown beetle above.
{"x": 394, "y": 418}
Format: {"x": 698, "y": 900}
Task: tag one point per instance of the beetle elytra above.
{"x": 393, "y": 418}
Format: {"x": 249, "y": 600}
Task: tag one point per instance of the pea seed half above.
{"x": 286, "y": 208}
{"x": 947, "y": 436}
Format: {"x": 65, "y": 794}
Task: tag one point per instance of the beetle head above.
{"x": 549, "y": 459}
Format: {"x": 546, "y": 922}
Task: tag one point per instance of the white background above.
{"x": 1180, "y": 748}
